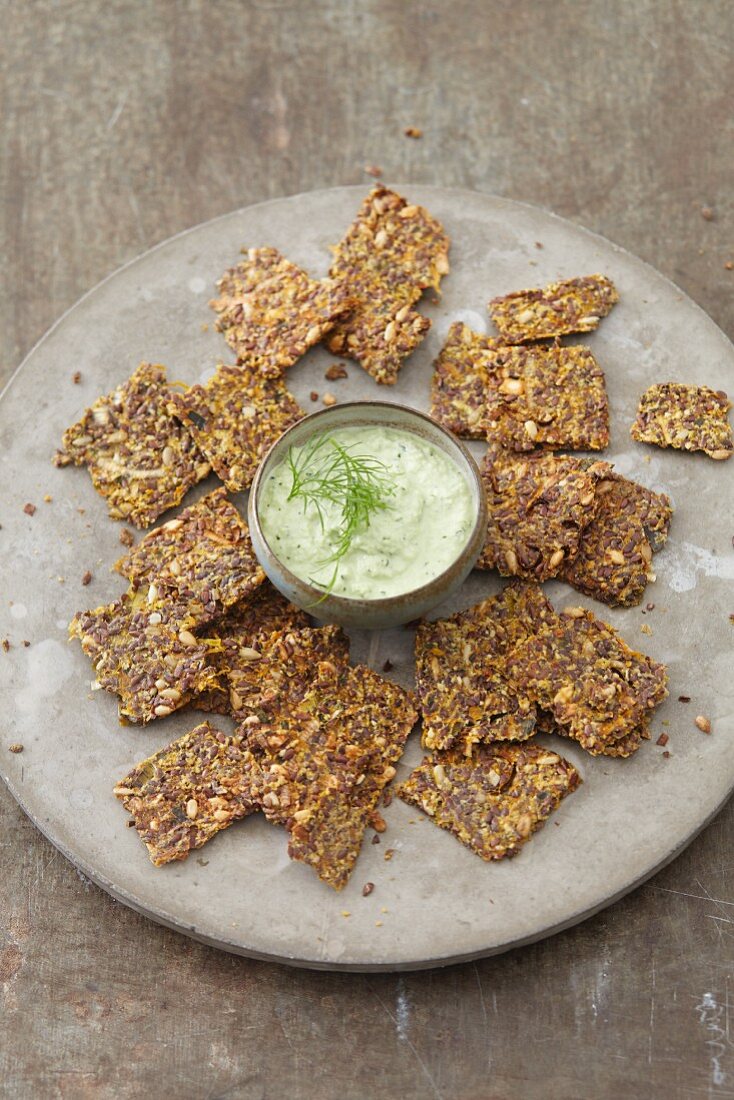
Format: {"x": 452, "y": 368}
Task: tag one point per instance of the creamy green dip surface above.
{"x": 426, "y": 523}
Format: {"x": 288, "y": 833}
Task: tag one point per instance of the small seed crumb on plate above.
{"x": 413, "y": 132}
{"x": 16, "y": 747}
{"x": 76, "y": 377}
{"x": 662, "y": 739}
{"x": 684, "y": 698}
{"x": 703, "y": 723}
{"x": 86, "y": 578}
{"x": 373, "y": 170}
{"x": 29, "y": 509}
{"x": 329, "y": 399}
{"x": 367, "y": 889}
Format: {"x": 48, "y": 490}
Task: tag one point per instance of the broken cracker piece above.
{"x": 141, "y": 655}
{"x": 572, "y": 305}
{"x": 185, "y": 794}
{"x": 596, "y": 687}
{"x": 538, "y": 505}
{"x": 614, "y": 560}
{"x": 202, "y": 561}
{"x": 495, "y": 801}
{"x": 463, "y": 380}
{"x": 235, "y": 418}
{"x": 389, "y": 255}
{"x": 462, "y": 688}
{"x": 271, "y": 312}
{"x": 688, "y": 418}
{"x": 140, "y": 458}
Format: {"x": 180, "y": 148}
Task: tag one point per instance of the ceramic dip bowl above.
{"x": 381, "y": 612}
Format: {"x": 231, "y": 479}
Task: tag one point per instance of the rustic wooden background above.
{"x": 126, "y": 121}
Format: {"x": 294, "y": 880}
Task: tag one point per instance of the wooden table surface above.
{"x": 125, "y": 122}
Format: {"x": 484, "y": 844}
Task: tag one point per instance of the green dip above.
{"x": 424, "y": 519}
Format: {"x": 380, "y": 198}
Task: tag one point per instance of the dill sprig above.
{"x": 324, "y": 471}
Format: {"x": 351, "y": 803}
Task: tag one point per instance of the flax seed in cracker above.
{"x": 462, "y": 688}
{"x": 271, "y": 312}
{"x": 463, "y": 381}
{"x": 614, "y": 560}
{"x": 596, "y": 687}
{"x": 390, "y": 254}
{"x": 552, "y": 397}
{"x": 188, "y": 792}
{"x": 140, "y": 458}
{"x": 142, "y": 656}
{"x": 326, "y": 760}
{"x": 496, "y": 800}
{"x": 573, "y": 305}
{"x": 235, "y": 418}
{"x": 202, "y": 561}
{"x": 688, "y": 418}
{"x": 538, "y": 506}
{"x": 245, "y": 628}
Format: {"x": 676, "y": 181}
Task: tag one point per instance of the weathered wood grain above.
{"x": 125, "y": 122}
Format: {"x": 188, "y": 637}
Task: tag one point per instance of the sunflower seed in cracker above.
{"x": 495, "y": 801}
{"x": 140, "y": 458}
{"x": 572, "y": 305}
{"x": 688, "y": 418}
{"x": 270, "y": 312}
{"x": 182, "y": 796}
{"x": 235, "y": 418}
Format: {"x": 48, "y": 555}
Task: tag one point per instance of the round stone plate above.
{"x": 433, "y": 901}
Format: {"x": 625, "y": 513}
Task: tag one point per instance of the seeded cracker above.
{"x": 186, "y": 793}
{"x": 464, "y": 379}
{"x": 271, "y": 312}
{"x": 235, "y": 418}
{"x": 326, "y": 761}
{"x": 390, "y": 254}
{"x": 614, "y": 561}
{"x": 538, "y": 506}
{"x": 551, "y": 397}
{"x": 596, "y": 687}
{"x": 138, "y": 654}
{"x": 461, "y": 684}
{"x": 244, "y": 630}
{"x": 573, "y": 305}
{"x": 688, "y": 418}
{"x": 494, "y": 802}
{"x": 202, "y": 561}
{"x": 140, "y": 458}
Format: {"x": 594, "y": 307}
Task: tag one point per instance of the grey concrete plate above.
{"x": 434, "y": 902}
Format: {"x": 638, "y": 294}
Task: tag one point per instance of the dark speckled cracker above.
{"x": 538, "y": 506}
{"x": 140, "y": 654}
{"x": 496, "y": 800}
{"x": 461, "y": 684}
{"x": 325, "y": 761}
{"x": 464, "y": 379}
{"x": 596, "y": 687}
{"x": 140, "y": 458}
{"x": 614, "y": 560}
{"x": 271, "y": 312}
{"x": 688, "y": 418}
{"x": 202, "y": 561}
{"x": 235, "y": 418}
{"x": 552, "y": 397}
{"x": 573, "y": 305}
{"x": 244, "y": 628}
{"x": 389, "y": 255}
{"x": 188, "y": 792}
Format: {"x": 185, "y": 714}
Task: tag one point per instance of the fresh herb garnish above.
{"x": 324, "y": 471}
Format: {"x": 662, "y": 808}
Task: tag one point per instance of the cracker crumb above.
{"x": 346, "y": 913}
{"x": 16, "y": 747}
{"x": 86, "y": 578}
{"x": 47, "y": 499}
{"x": 328, "y": 399}
{"x": 538, "y": 244}
{"x": 378, "y": 823}
{"x": 126, "y": 537}
{"x": 387, "y": 665}
{"x": 5, "y": 643}
{"x": 335, "y": 371}
{"x": 378, "y": 924}
{"x": 314, "y": 395}
{"x": 373, "y": 170}
{"x": 645, "y": 629}
{"x": 662, "y": 739}
{"x": 76, "y": 377}
{"x": 413, "y": 132}
{"x": 389, "y": 854}
{"x": 707, "y": 213}
{"x": 729, "y": 266}
{"x": 29, "y": 509}
{"x": 684, "y": 698}
{"x": 666, "y": 754}
{"x": 375, "y": 839}
{"x": 703, "y": 723}
{"x": 26, "y": 643}
{"x": 367, "y": 889}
